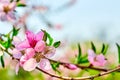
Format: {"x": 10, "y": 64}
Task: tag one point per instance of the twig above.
{"x": 79, "y": 78}
{"x": 79, "y": 66}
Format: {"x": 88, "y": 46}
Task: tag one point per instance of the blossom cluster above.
{"x": 32, "y": 51}
{"x": 7, "y": 9}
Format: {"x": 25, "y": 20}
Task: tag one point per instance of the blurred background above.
{"x": 72, "y": 19}
{"x": 69, "y": 21}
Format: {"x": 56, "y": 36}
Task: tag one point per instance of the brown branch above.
{"x": 79, "y": 66}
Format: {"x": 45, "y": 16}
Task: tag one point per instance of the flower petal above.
{"x": 16, "y": 53}
{"x": 12, "y": 5}
{"x": 101, "y": 59}
{"x": 16, "y": 40}
{"x": 45, "y": 64}
{"x": 30, "y": 36}
{"x": 17, "y": 68}
{"x": 40, "y": 46}
{"x": 39, "y": 36}
{"x": 50, "y": 51}
{"x": 91, "y": 56}
{"x": 30, "y": 64}
{"x": 30, "y": 52}
{"x": 23, "y": 45}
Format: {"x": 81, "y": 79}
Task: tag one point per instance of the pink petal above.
{"x": 51, "y": 52}
{"x": 3, "y": 16}
{"x": 23, "y": 45}
{"x": 30, "y": 52}
{"x": 30, "y": 64}
{"x": 101, "y": 59}
{"x": 16, "y": 53}
{"x": 30, "y": 36}
{"x": 40, "y": 46}
{"x": 17, "y": 68}
{"x": 11, "y": 16}
{"x": 91, "y": 56}
{"x": 16, "y": 40}
{"x": 23, "y": 59}
{"x": 45, "y": 64}
{"x": 12, "y": 5}
{"x": 39, "y": 36}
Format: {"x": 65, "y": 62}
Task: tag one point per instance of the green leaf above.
{"x": 93, "y": 47}
{"x": 20, "y": 5}
{"x": 55, "y": 66}
{"x": 84, "y": 59}
{"x": 103, "y": 48}
{"x": 56, "y": 44}
{"x": 79, "y": 54}
{"x": 2, "y": 61}
{"x": 17, "y": 0}
{"x": 118, "y": 52}
{"x": 15, "y": 31}
{"x": 7, "y": 43}
{"x": 106, "y": 49}
{"x": 49, "y": 39}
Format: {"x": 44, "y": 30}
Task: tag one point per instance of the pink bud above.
{"x": 71, "y": 66}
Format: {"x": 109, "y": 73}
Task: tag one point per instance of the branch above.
{"x": 79, "y": 66}
{"x": 70, "y": 78}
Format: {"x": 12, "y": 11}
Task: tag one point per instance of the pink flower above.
{"x": 7, "y": 10}
{"x": 96, "y": 60}
{"x": 32, "y": 41}
{"x": 71, "y": 66}
{"x": 33, "y": 50}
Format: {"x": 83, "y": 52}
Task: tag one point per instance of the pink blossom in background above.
{"x": 96, "y": 60}
{"x": 7, "y": 10}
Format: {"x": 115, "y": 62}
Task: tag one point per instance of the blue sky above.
{"x": 87, "y": 19}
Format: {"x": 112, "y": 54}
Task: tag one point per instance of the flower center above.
{"x": 6, "y": 9}
{"x": 38, "y": 56}
{"x": 95, "y": 59}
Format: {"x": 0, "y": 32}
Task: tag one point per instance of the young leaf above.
{"x": 84, "y": 59}
{"x": 50, "y": 39}
{"x": 93, "y": 47}
{"x": 79, "y": 54}
{"x": 47, "y": 38}
{"x": 7, "y": 43}
{"x": 118, "y": 52}
{"x": 56, "y": 44}
{"x": 105, "y": 50}
{"x": 2, "y": 61}
{"x": 55, "y": 66}
{"x": 15, "y": 31}
{"x": 17, "y": 0}
{"x": 20, "y": 5}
